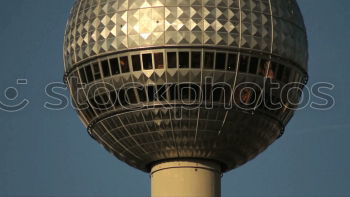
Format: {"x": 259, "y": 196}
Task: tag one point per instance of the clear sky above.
{"x": 48, "y": 153}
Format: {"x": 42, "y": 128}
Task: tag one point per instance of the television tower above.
{"x": 185, "y": 90}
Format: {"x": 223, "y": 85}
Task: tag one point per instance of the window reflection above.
{"x": 142, "y": 94}
{"x": 231, "y": 62}
{"x": 105, "y": 68}
{"x": 196, "y": 59}
{"x": 172, "y": 60}
{"x": 97, "y": 73}
{"x": 82, "y": 75}
{"x": 209, "y": 60}
{"x": 161, "y": 92}
{"x": 184, "y": 60}
{"x": 158, "y": 60}
{"x": 220, "y": 61}
{"x": 114, "y": 66}
{"x": 267, "y": 69}
{"x": 122, "y": 97}
{"x": 272, "y": 70}
{"x": 207, "y": 92}
{"x": 136, "y": 62}
{"x": 243, "y": 63}
{"x": 89, "y": 75}
{"x": 124, "y": 64}
{"x": 151, "y": 92}
{"x": 173, "y": 92}
{"x": 217, "y": 91}
{"x": 253, "y": 66}
{"x": 264, "y": 65}
{"x": 131, "y": 96}
{"x": 195, "y": 92}
{"x": 147, "y": 61}
{"x": 184, "y": 91}
{"x": 114, "y": 96}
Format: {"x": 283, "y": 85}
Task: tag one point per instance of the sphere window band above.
{"x": 182, "y": 93}
{"x": 218, "y": 61}
{"x": 249, "y": 64}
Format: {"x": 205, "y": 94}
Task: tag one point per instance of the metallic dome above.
{"x": 113, "y": 46}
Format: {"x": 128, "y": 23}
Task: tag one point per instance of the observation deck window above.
{"x": 105, "y": 68}
{"x": 264, "y": 65}
{"x": 184, "y": 91}
{"x": 254, "y": 64}
{"x": 97, "y": 73}
{"x": 122, "y": 97}
{"x": 207, "y": 92}
{"x": 114, "y": 66}
{"x": 89, "y": 112}
{"x": 243, "y": 63}
{"x": 142, "y": 94}
{"x": 161, "y": 92}
{"x": 217, "y": 91}
{"x": 136, "y": 62}
{"x": 113, "y": 98}
{"x": 195, "y": 93}
{"x": 124, "y": 64}
{"x": 231, "y": 62}
{"x": 107, "y": 100}
{"x": 196, "y": 59}
{"x": 159, "y": 60}
{"x": 173, "y": 92}
{"x": 82, "y": 75}
{"x": 172, "y": 60}
{"x": 184, "y": 60}
{"x": 131, "y": 95}
{"x": 151, "y": 92}
{"x": 147, "y": 61}
{"x": 272, "y": 70}
{"x": 220, "y": 61}
{"x": 89, "y": 74}
{"x": 209, "y": 60}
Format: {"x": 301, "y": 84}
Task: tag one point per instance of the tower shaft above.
{"x": 186, "y": 178}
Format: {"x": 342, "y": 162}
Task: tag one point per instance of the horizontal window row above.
{"x": 246, "y": 98}
{"x": 208, "y": 60}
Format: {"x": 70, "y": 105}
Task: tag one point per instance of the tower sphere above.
{"x": 158, "y": 76}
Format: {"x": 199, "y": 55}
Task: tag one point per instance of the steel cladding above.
{"x": 147, "y": 55}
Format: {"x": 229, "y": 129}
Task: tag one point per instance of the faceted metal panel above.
{"x": 97, "y": 27}
{"x": 162, "y": 128}
{"x": 140, "y": 143}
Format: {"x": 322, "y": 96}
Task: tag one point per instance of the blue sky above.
{"x": 48, "y": 153}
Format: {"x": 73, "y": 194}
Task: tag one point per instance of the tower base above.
{"x": 187, "y": 178}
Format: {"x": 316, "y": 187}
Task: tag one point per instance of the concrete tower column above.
{"x": 191, "y": 178}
